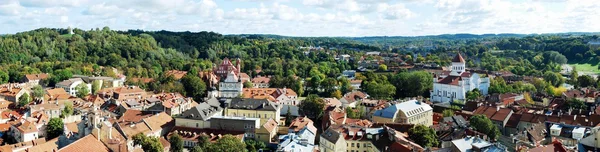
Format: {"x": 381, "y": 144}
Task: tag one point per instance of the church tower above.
{"x": 458, "y": 65}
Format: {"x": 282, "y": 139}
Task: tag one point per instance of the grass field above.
{"x": 586, "y": 67}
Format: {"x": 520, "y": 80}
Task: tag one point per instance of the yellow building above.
{"x": 253, "y": 108}
{"x": 267, "y": 131}
{"x": 410, "y": 112}
{"x": 332, "y": 141}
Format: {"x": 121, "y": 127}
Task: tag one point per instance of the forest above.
{"x": 147, "y": 54}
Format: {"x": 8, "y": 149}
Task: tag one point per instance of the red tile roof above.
{"x": 451, "y": 80}
{"x": 40, "y": 76}
{"x": 458, "y": 58}
{"x": 86, "y": 144}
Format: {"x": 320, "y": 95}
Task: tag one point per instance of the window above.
{"x": 352, "y": 145}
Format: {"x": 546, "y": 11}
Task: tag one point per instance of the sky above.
{"x": 307, "y": 17}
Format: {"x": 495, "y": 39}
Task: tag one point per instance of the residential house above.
{"x": 499, "y": 116}
{"x": 13, "y": 92}
{"x": 248, "y": 125}
{"x": 261, "y": 82}
{"x": 412, "y": 112}
{"x": 355, "y": 84}
{"x": 253, "y": 108}
{"x": 128, "y": 92}
{"x": 34, "y": 79}
{"x": 298, "y": 142}
{"x": 53, "y": 109}
{"x": 4, "y": 105}
{"x": 105, "y": 82}
{"x": 300, "y": 124}
{"x": 57, "y": 94}
{"x": 267, "y": 131}
{"x": 70, "y": 85}
{"x": 555, "y": 146}
{"x": 191, "y": 136}
{"x": 283, "y": 96}
{"x": 199, "y": 116}
{"x": 475, "y": 144}
{"x": 24, "y": 131}
{"x": 568, "y": 135}
{"x": 350, "y": 74}
{"x": 351, "y": 99}
{"x": 332, "y": 141}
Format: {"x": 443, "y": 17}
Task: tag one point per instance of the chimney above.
{"x": 497, "y": 108}
{"x": 575, "y": 117}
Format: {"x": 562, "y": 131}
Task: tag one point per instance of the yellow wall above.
{"x": 265, "y": 136}
{"x": 254, "y": 114}
{"x": 360, "y": 146}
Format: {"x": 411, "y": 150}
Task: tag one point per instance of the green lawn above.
{"x": 67, "y": 35}
{"x": 586, "y": 67}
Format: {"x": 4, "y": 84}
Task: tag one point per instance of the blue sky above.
{"x": 307, "y": 17}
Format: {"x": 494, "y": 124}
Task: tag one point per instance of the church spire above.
{"x": 458, "y": 58}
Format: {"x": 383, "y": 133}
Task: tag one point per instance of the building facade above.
{"x": 410, "y": 112}
{"x": 231, "y": 87}
{"x": 453, "y": 85}
{"x": 70, "y": 85}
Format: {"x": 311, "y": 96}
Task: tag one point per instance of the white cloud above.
{"x": 395, "y": 11}
{"x": 56, "y": 11}
{"x": 52, "y": 3}
{"x": 10, "y": 8}
{"x": 64, "y": 19}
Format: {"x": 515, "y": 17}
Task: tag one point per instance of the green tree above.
{"x": 312, "y": 106}
{"x": 474, "y": 94}
{"x": 176, "y": 143}
{"x": 355, "y": 113}
{"x": 455, "y": 107}
{"x": 448, "y": 113}
{"x": 254, "y": 146}
{"x": 3, "y": 77}
{"x": 37, "y": 91}
{"x": 484, "y": 125}
{"x": 288, "y": 116}
{"x": 82, "y": 90}
{"x": 151, "y": 144}
{"x": 96, "y": 86}
{"x": 423, "y": 136}
{"x": 382, "y": 67}
{"x": 194, "y": 86}
{"x": 248, "y": 84}
{"x": 574, "y": 77}
{"x": 329, "y": 85}
{"x": 203, "y": 142}
{"x": 380, "y": 90}
{"x": 586, "y": 81}
{"x": 54, "y": 128}
{"x": 197, "y": 149}
{"x": 24, "y": 100}
{"x": 345, "y": 85}
{"x": 412, "y": 84}
{"x": 575, "y": 104}
{"x": 68, "y": 111}
{"x": 554, "y": 78}
{"x": 336, "y": 94}
{"x": 228, "y": 143}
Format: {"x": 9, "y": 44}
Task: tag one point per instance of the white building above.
{"x": 453, "y": 85}
{"x": 24, "y": 131}
{"x": 231, "y": 87}
{"x": 409, "y": 112}
{"x": 71, "y": 84}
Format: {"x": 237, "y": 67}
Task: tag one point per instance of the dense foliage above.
{"x": 423, "y": 136}
{"x": 151, "y": 144}
{"x": 54, "y": 128}
{"x": 483, "y": 124}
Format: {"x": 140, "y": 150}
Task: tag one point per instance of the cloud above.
{"x": 103, "y": 10}
{"x": 52, "y": 3}
{"x": 10, "y": 8}
{"x": 395, "y": 11}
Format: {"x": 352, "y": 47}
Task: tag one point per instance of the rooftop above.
{"x": 86, "y": 144}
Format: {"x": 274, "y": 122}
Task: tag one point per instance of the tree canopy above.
{"x": 54, "y": 128}
{"x": 423, "y": 136}
{"x": 484, "y": 125}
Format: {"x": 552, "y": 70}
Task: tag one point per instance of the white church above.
{"x": 453, "y": 85}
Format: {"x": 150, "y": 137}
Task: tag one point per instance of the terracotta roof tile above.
{"x": 176, "y": 74}
{"x": 270, "y": 125}
{"x": 458, "y": 58}
{"x": 451, "y": 80}
{"x": 86, "y": 144}
{"x": 40, "y": 76}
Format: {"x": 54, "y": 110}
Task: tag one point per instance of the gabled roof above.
{"x": 176, "y": 74}
{"x": 261, "y": 79}
{"x": 202, "y": 111}
{"x": 409, "y": 108}
{"x": 331, "y": 135}
{"x": 458, "y": 58}
{"x": 253, "y": 104}
{"x": 40, "y": 76}
{"x": 270, "y": 125}
{"x": 451, "y": 80}
{"x": 133, "y": 116}
{"x": 86, "y": 144}
{"x": 159, "y": 121}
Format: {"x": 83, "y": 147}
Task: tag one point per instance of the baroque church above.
{"x": 453, "y": 85}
